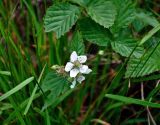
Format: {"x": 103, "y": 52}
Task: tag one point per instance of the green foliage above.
{"x": 81, "y": 2}
{"x": 60, "y": 18}
{"x": 126, "y": 46}
{"x": 146, "y": 18}
{"x": 125, "y": 14}
{"x": 17, "y": 88}
{"x": 77, "y": 43}
{"x": 129, "y": 100}
{"x": 117, "y": 27}
{"x": 150, "y": 34}
{"x": 143, "y": 19}
{"x": 102, "y": 12}
{"x": 148, "y": 63}
{"x": 5, "y": 73}
{"x": 93, "y": 32}
{"x": 56, "y": 85}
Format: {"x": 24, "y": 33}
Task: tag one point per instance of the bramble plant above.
{"x": 102, "y": 28}
{"x": 103, "y": 22}
{"x": 71, "y": 62}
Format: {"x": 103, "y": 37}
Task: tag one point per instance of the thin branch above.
{"x": 149, "y": 115}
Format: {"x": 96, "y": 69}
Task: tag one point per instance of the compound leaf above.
{"x": 148, "y": 63}
{"x": 102, "y": 12}
{"x": 56, "y": 85}
{"x": 60, "y": 18}
{"x": 126, "y": 46}
{"x": 93, "y": 32}
{"x": 125, "y": 14}
{"x": 77, "y": 43}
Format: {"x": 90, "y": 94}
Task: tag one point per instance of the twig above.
{"x": 149, "y": 115}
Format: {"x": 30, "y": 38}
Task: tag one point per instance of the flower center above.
{"x": 77, "y": 63}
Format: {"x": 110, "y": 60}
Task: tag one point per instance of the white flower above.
{"x": 76, "y": 68}
{"x": 80, "y": 79}
{"x": 88, "y": 71}
{"x": 82, "y": 59}
{"x": 74, "y": 57}
{"x": 74, "y": 72}
{"x": 83, "y": 68}
{"x": 68, "y": 66}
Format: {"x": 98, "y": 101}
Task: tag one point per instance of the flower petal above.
{"x": 68, "y": 66}
{"x": 74, "y": 72}
{"x": 73, "y": 56}
{"x": 80, "y": 79}
{"x": 83, "y": 68}
{"x": 82, "y": 59}
{"x": 73, "y": 84}
{"x": 88, "y": 71}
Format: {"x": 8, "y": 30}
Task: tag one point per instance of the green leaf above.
{"x": 125, "y": 14}
{"x": 77, "y": 43}
{"x": 125, "y": 47}
{"x": 143, "y": 19}
{"x": 56, "y": 85}
{"x": 81, "y": 2}
{"x": 17, "y": 88}
{"x": 7, "y": 73}
{"x": 61, "y": 98}
{"x": 93, "y": 32}
{"x": 147, "y": 18}
{"x": 5, "y": 106}
{"x": 134, "y": 121}
{"x": 150, "y": 34}
{"x": 129, "y": 100}
{"x": 60, "y": 18}
{"x": 102, "y": 12}
{"x": 147, "y": 78}
{"x": 145, "y": 65}
{"x": 34, "y": 91}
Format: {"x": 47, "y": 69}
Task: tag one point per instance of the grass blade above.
{"x": 7, "y": 73}
{"x": 17, "y": 88}
{"x": 150, "y": 34}
{"x": 34, "y": 92}
{"x": 129, "y": 100}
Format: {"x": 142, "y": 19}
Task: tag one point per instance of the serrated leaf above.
{"x": 125, "y": 14}
{"x": 102, "y": 12}
{"x": 126, "y": 46}
{"x": 145, "y": 65}
{"x": 77, "y": 43}
{"x": 56, "y": 85}
{"x": 81, "y": 2}
{"x": 93, "y": 32}
{"x": 152, "y": 42}
{"x": 60, "y": 18}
